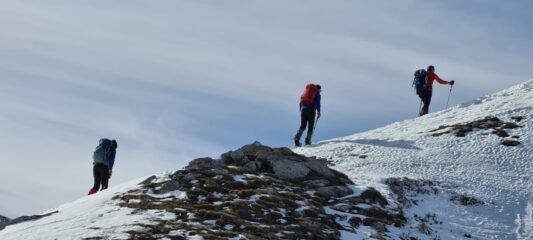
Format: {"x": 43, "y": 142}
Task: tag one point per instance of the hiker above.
{"x": 103, "y": 161}
{"x": 424, "y": 86}
{"x": 309, "y": 108}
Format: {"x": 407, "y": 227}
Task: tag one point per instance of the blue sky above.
{"x": 175, "y": 80}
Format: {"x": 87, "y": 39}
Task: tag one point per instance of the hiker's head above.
{"x": 114, "y": 144}
{"x": 319, "y": 88}
{"x": 431, "y": 68}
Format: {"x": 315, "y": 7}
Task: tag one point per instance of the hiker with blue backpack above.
{"x": 309, "y": 109}
{"x": 423, "y": 84}
{"x": 103, "y": 161}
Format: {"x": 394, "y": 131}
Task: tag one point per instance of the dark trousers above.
{"x": 101, "y": 176}
{"x": 307, "y": 118}
{"x": 425, "y": 96}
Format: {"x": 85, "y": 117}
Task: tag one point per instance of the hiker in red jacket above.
{"x": 426, "y": 93}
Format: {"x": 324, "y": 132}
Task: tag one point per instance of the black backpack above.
{"x": 102, "y": 151}
{"x": 420, "y": 79}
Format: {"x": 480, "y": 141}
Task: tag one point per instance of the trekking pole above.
{"x": 449, "y": 94}
{"x": 316, "y": 122}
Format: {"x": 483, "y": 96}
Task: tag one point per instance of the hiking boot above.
{"x": 307, "y": 143}
{"x": 297, "y": 143}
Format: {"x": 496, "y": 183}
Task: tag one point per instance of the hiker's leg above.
{"x": 311, "y": 121}
{"x": 422, "y": 100}
{"x": 426, "y": 99}
{"x": 105, "y": 178}
{"x": 97, "y": 180}
{"x": 303, "y": 125}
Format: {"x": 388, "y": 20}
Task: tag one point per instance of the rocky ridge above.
{"x": 258, "y": 192}
{"x": 3, "y": 219}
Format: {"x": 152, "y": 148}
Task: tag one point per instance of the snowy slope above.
{"x": 91, "y": 216}
{"x": 478, "y": 163}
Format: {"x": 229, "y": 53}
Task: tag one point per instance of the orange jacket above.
{"x": 432, "y": 77}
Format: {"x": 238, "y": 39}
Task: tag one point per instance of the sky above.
{"x": 173, "y": 80}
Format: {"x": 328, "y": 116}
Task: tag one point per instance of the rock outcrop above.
{"x": 493, "y": 124}
{"x": 3, "y": 219}
{"x": 258, "y": 192}
{"x": 6, "y": 221}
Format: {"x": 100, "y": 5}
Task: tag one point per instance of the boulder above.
{"x": 333, "y": 191}
{"x": 289, "y": 169}
{"x": 205, "y": 163}
{"x": 372, "y": 195}
{"x": 251, "y": 166}
{"x": 510, "y": 143}
{"x": 320, "y": 166}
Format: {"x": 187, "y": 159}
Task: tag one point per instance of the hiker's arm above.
{"x": 112, "y": 160}
{"x": 439, "y": 80}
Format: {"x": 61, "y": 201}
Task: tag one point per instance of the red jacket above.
{"x": 432, "y": 76}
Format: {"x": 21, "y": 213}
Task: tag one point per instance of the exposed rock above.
{"x": 258, "y": 191}
{"x": 289, "y": 169}
{"x": 317, "y": 183}
{"x": 371, "y": 195}
{"x": 509, "y": 125}
{"x": 320, "y": 166}
{"x": 205, "y": 163}
{"x": 500, "y": 133}
{"x": 510, "y": 143}
{"x": 333, "y": 191}
{"x": 497, "y": 126}
{"x": 3, "y": 219}
{"x": 466, "y": 200}
{"x": 149, "y": 179}
{"x": 251, "y": 166}
{"x": 25, "y": 219}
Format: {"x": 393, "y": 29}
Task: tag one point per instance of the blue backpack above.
{"x": 102, "y": 151}
{"x": 420, "y": 80}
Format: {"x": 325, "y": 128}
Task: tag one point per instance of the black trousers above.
{"x": 425, "y": 96}
{"x": 307, "y": 121}
{"x": 101, "y": 176}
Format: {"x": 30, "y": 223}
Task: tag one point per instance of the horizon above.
{"x": 178, "y": 80}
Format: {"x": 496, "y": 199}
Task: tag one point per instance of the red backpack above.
{"x": 308, "y": 97}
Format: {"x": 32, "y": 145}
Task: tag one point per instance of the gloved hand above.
{"x": 452, "y": 82}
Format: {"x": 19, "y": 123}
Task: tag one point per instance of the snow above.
{"x": 91, "y": 216}
{"x": 177, "y": 194}
{"x": 478, "y": 164}
{"x": 240, "y": 178}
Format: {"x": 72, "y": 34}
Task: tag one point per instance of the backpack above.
{"x": 102, "y": 151}
{"x": 420, "y": 79}
{"x": 308, "y": 97}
